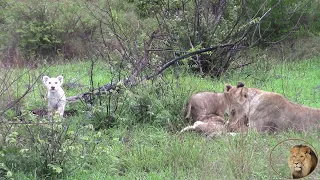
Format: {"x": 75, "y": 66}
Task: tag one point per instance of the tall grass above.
{"x": 143, "y": 142}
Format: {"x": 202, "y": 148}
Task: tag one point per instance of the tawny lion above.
{"x": 302, "y": 161}
{"x": 268, "y": 111}
{"x": 205, "y": 103}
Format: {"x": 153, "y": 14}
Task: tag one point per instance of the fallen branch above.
{"x": 168, "y": 64}
{"x": 242, "y": 65}
{"x": 112, "y": 86}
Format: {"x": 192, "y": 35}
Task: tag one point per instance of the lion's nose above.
{"x": 52, "y": 87}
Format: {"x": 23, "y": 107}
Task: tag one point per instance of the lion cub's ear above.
{"x": 227, "y": 88}
{"x": 45, "y": 79}
{"x": 60, "y": 78}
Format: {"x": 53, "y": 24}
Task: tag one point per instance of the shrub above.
{"x": 286, "y": 17}
{"x": 45, "y": 28}
{"x": 156, "y": 103}
{"x": 48, "y": 147}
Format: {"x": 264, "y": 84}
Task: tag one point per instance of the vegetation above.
{"x": 142, "y": 140}
{"x": 130, "y": 131}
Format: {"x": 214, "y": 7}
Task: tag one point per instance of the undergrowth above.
{"x": 132, "y": 133}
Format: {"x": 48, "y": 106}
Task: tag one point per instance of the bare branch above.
{"x": 168, "y": 64}
{"x": 127, "y": 81}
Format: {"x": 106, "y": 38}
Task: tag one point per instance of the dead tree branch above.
{"x": 127, "y": 81}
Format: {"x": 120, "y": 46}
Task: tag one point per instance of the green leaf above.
{"x": 55, "y": 168}
{"x": 46, "y": 38}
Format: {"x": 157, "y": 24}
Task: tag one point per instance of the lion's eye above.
{"x": 56, "y": 82}
{"x": 301, "y": 156}
{"x": 49, "y": 82}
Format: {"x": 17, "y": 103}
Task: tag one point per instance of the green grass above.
{"x": 151, "y": 148}
{"x": 152, "y": 153}
{"x": 298, "y": 81}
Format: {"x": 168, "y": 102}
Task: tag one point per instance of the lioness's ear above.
{"x": 45, "y": 79}
{"x": 240, "y": 84}
{"x": 227, "y": 88}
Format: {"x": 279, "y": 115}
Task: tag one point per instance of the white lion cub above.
{"x": 56, "y": 96}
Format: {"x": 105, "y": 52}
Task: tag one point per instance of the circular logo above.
{"x": 293, "y": 159}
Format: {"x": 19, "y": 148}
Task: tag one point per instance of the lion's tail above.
{"x": 187, "y": 129}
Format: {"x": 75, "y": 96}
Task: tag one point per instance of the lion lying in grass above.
{"x": 207, "y": 110}
{"x": 212, "y": 125}
{"x": 302, "y": 161}
{"x": 208, "y": 125}
{"x": 205, "y": 103}
{"x": 268, "y": 111}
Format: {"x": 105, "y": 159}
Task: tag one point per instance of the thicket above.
{"x": 38, "y": 29}
{"x": 156, "y": 30}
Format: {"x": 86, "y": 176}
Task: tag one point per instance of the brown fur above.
{"x": 302, "y": 161}
{"x": 205, "y": 103}
{"x": 236, "y": 97}
{"x": 268, "y": 111}
{"x": 240, "y": 125}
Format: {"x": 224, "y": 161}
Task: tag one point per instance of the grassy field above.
{"x": 143, "y": 142}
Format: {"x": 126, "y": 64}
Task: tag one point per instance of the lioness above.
{"x": 302, "y": 161}
{"x": 268, "y": 111}
{"x": 205, "y": 103}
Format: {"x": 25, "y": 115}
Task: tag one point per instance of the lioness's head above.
{"x": 237, "y": 101}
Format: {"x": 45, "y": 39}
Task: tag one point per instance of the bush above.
{"x": 284, "y": 18}
{"x": 48, "y": 147}
{"x": 45, "y": 28}
{"x": 158, "y": 103}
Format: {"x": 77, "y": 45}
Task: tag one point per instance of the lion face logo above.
{"x": 298, "y": 158}
{"x": 302, "y": 161}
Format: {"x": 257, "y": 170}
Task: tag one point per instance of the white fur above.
{"x": 193, "y": 127}
{"x": 56, "y": 96}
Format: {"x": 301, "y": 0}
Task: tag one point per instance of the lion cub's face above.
{"x": 53, "y": 84}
